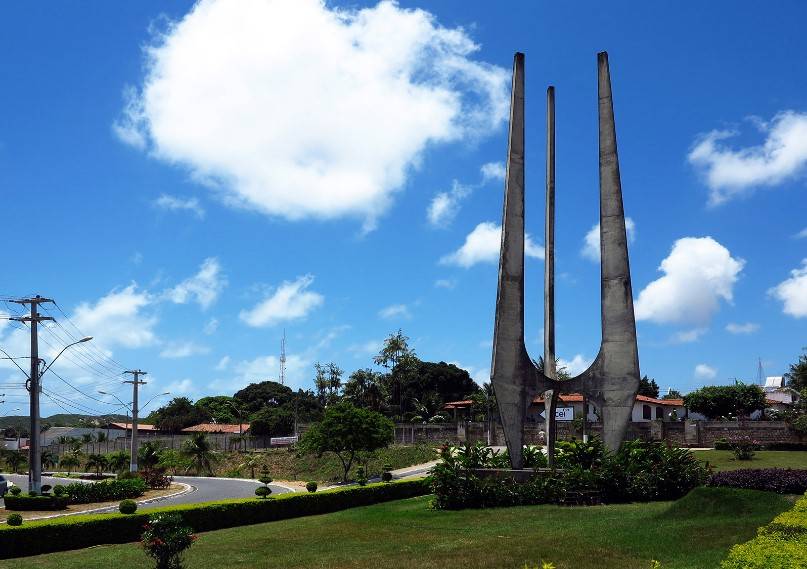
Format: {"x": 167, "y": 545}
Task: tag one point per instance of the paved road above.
{"x": 202, "y": 489}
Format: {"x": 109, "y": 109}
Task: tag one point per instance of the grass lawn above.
{"x": 694, "y": 532}
{"x": 288, "y": 465}
{"x": 724, "y": 459}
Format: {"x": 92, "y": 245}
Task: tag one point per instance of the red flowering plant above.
{"x": 165, "y": 538}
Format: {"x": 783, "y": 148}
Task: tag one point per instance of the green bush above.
{"x": 77, "y": 532}
{"x": 36, "y": 503}
{"x": 262, "y": 491}
{"x": 14, "y": 520}
{"x": 386, "y": 476}
{"x": 127, "y": 507}
{"x": 311, "y": 486}
{"x": 722, "y": 444}
{"x": 166, "y": 538}
{"x": 105, "y": 491}
{"x": 59, "y": 490}
{"x": 15, "y": 491}
{"x": 782, "y": 544}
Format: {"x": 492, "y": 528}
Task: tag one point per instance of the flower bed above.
{"x": 781, "y": 480}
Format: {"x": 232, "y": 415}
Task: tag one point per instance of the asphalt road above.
{"x": 202, "y": 489}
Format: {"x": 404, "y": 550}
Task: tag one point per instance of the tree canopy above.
{"x": 717, "y": 401}
{"x": 219, "y": 408}
{"x": 347, "y": 430}
{"x": 256, "y": 396}
{"x": 648, "y": 387}
{"x": 272, "y": 422}
{"x": 796, "y": 376}
{"x": 177, "y": 414}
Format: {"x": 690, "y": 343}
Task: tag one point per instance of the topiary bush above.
{"x": 59, "y": 490}
{"x": 15, "y": 491}
{"x": 386, "y": 476}
{"x": 127, "y": 507}
{"x": 361, "y": 478}
{"x": 722, "y": 444}
{"x": 14, "y": 520}
{"x": 780, "y": 480}
{"x": 263, "y": 491}
{"x": 46, "y": 488}
{"x": 311, "y": 486}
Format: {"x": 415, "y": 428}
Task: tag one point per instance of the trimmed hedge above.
{"x": 782, "y": 544}
{"x": 780, "y": 480}
{"x": 35, "y": 503}
{"x": 105, "y": 491}
{"x": 77, "y": 532}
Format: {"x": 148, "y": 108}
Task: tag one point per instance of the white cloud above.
{"x": 264, "y": 368}
{"x": 173, "y": 203}
{"x": 731, "y": 173}
{"x": 482, "y": 245}
{"x": 211, "y": 326}
{"x": 291, "y": 301}
{"x": 493, "y": 171}
{"x": 368, "y": 348}
{"x": 688, "y": 336}
{"x": 395, "y": 311}
{"x": 449, "y": 284}
{"x": 480, "y": 374}
{"x": 577, "y": 365}
{"x": 698, "y": 273}
{"x": 183, "y": 387}
{"x": 703, "y": 371}
{"x": 177, "y": 350}
{"x": 792, "y": 292}
{"x": 204, "y": 287}
{"x": 118, "y": 319}
{"x": 747, "y": 328}
{"x": 299, "y": 110}
{"x": 591, "y": 242}
{"x": 223, "y": 363}
{"x": 445, "y": 205}
{"x": 801, "y": 234}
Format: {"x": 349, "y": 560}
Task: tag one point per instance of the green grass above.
{"x": 724, "y": 459}
{"x": 284, "y": 464}
{"x": 694, "y": 532}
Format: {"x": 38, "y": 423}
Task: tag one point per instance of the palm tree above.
{"x": 69, "y": 461}
{"x": 118, "y": 461}
{"x": 198, "y": 451}
{"x": 14, "y": 459}
{"x": 48, "y": 459}
{"x": 102, "y": 438}
{"x": 148, "y": 456}
{"x": 98, "y": 462}
{"x": 251, "y": 461}
{"x": 429, "y": 409}
{"x": 87, "y": 438}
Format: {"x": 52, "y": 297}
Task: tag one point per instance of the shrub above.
{"x": 166, "y": 538}
{"x": 105, "y": 491}
{"x": 156, "y": 478}
{"x": 127, "y": 507}
{"x": 386, "y": 476}
{"x": 311, "y": 486}
{"x": 722, "y": 444}
{"x": 780, "y": 480}
{"x": 15, "y": 491}
{"x": 361, "y": 477}
{"x": 14, "y": 520}
{"x": 743, "y": 447}
{"x": 59, "y": 490}
{"x": 77, "y": 532}
{"x": 36, "y": 503}
{"x": 32, "y": 493}
{"x": 127, "y": 475}
{"x": 799, "y": 424}
{"x": 262, "y": 491}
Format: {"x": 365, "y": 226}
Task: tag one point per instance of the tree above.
{"x": 717, "y": 401}
{"x": 219, "y": 408}
{"x": 97, "y": 462}
{"x": 648, "y": 387}
{"x": 672, "y": 394}
{"x": 363, "y": 388}
{"x": 199, "y": 453}
{"x": 321, "y": 382}
{"x": 48, "y": 459}
{"x": 256, "y": 396}
{"x": 272, "y": 422}
{"x": 251, "y": 461}
{"x": 560, "y": 370}
{"x": 69, "y": 462}
{"x": 346, "y": 430}
{"x": 15, "y": 459}
{"x": 449, "y": 382}
{"x": 177, "y": 414}
{"x": 796, "y": 377}
{"x": 334, "y": 380}
{"x": 148, "y": 455}
{"x": 118, "y": 461}
{"x": 429, "y": 409}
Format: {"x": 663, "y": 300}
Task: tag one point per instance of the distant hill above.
{"x": 23, "y": 423}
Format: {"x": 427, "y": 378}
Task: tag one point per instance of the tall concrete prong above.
{"x": 550, "y": 395}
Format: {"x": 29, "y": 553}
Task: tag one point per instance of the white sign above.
{"x": 561, "y": 414}
{"x": 282, "y": 441}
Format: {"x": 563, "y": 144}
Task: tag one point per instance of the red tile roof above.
{"x": 217, "y": 428}
{"x": 458, "y": 404}
{"x": 140, "y": 426}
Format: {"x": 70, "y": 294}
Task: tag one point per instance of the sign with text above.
{"x": 561, "y": 414}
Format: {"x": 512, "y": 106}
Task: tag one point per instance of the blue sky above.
{"x": 189, "y": 181}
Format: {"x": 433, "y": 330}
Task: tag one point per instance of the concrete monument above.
{"x": 612, "y": 381}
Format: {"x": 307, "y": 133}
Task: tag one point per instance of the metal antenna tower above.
{"x": 760, "y": 373}
{"x": 283, "y": 359}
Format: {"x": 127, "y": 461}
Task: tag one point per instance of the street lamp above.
{"x": 85, "y": 339}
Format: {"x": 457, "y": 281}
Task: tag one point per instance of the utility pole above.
{"x": 136, "y": 381}
{"x": 283, "y": 359}
{"x": 34, "y": 388}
